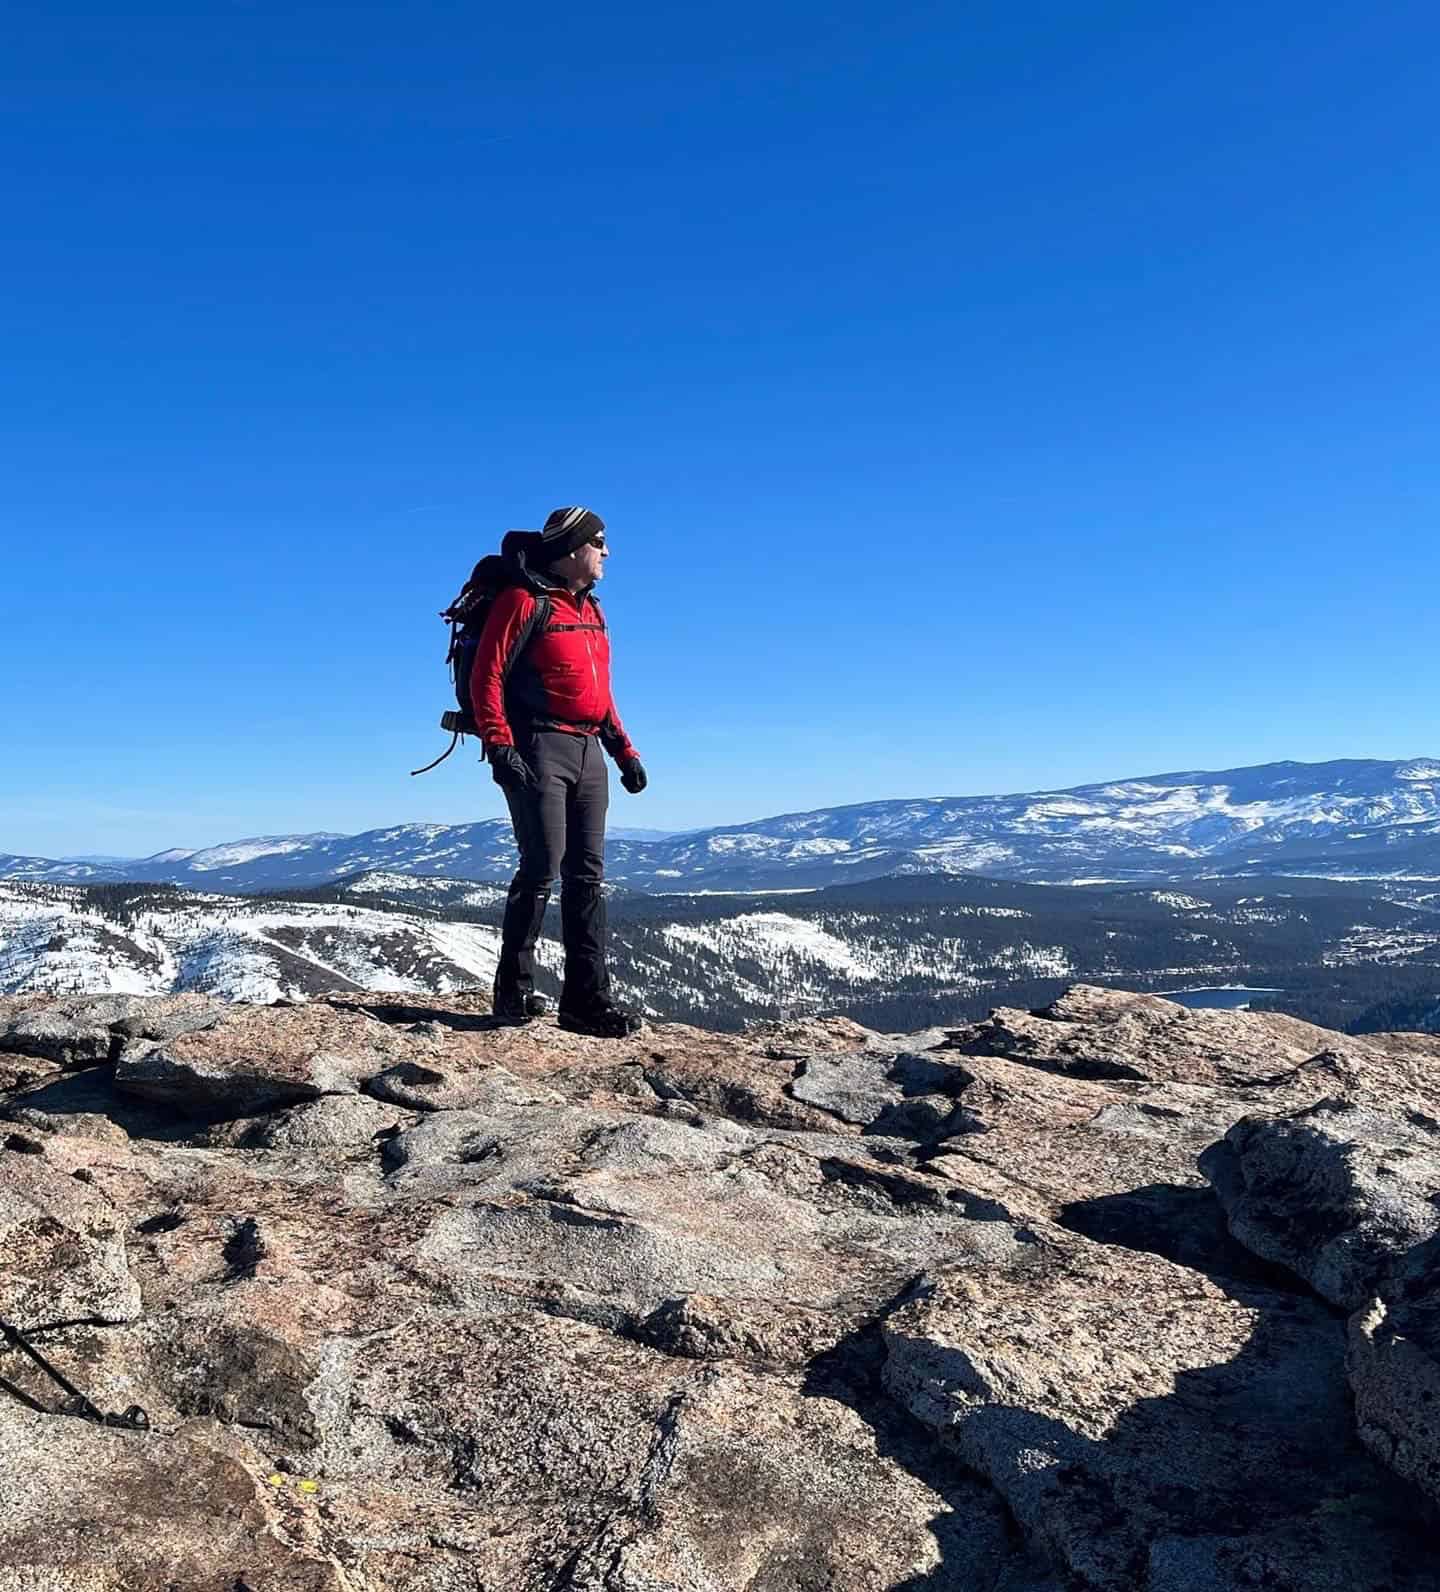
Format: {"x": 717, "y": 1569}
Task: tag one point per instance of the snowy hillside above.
{"x": 422, "y": 892}
{"x": 784, "y": 963}
{"x": 62, "y": 940}
{"x": 1358, "y": 819}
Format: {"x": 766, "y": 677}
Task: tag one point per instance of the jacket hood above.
{"x": 518, "y": 548}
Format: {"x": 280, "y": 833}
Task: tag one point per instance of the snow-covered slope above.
{"x": 1361, "y": 818}
{"x": 795, "y": 964}
{"x": 220, "y": 859}
{"x": 58, "y": 939}
{"x": 424, "y": 893}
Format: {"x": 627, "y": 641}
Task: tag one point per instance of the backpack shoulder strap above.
{"x": 539, "y": 618}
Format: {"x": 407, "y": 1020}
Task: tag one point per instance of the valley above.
{"x": 909, "y": 951}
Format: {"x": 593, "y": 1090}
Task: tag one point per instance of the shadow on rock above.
{"x": 1183, "y": 1224}
{"x": 87, "y": 1103}
{"x": 851, "y": 1373}
{"x": 1244, "y": 1472}
{"x": 394, "y": 1012}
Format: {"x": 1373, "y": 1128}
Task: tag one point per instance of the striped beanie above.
{"x": 567, "y": 529}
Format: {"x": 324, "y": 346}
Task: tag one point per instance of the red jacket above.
{"x": 559, "y": 681}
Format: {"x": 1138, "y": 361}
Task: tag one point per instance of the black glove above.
{"x": 632, "y": 775}
{"x": 509, "y": 770}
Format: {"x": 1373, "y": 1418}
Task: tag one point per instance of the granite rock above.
{"x": 62, "y": 1248}
{"x": 807, "y": 1307}
{"x": 1342, "y": 1195}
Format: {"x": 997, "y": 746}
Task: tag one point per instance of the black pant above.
{"x": 559, "y": 828}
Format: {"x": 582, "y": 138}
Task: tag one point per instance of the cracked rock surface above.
{"x": 1115, "y": 1297}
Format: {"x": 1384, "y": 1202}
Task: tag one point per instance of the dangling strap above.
{"x": 454, "y": 742}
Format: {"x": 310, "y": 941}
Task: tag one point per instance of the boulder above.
{"x": 748, "y": 1081}
{"x": 1394, "y": 1366}
{"x": 81, "y": 1030}
{"x": 1110, "y": 1034}
{"x": 76, "y": 1124}
{"x": 259, "y": 1058}
{"x": 18, "y": 1073}
{"x": 333, "y": 1122}
{"x": 84, "y": 1104}
{"x": 1338, "y": 1193}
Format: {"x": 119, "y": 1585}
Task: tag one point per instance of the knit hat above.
{"x": 565, "y": 530}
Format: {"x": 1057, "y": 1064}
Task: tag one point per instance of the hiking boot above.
{"x": 514, "y": 1011}
{"x": 601, "y": 1022}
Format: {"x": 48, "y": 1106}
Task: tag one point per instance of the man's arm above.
{"x": 614, "y": 738}
{"x": 505, "y": 627}
{"x": 632, "y": 771}
{"x": 627, "y": 759}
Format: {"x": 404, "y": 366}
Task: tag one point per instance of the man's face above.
{"x": 590, "y": 559}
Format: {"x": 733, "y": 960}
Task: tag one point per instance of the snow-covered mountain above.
{"x": 58, "y": 870}
{"x": 1355, "y": 818}
{"x": 235, "y": 854}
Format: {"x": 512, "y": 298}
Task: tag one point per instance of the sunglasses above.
{"x": 598, "y": 540}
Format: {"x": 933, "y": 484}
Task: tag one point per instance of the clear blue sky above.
{"x": 982, "y": 397}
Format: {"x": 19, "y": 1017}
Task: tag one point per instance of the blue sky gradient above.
{"x": 981, "y": 398}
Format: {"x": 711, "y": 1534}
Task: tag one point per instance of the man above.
{"x": 540, "y": 689}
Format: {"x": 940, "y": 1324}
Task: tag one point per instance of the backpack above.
{"x": 466, "y": 617}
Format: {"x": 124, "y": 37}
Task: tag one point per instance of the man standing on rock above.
{"x": 540, "y": 689}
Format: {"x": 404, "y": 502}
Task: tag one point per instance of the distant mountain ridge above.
{"x": 1349, "y": 818}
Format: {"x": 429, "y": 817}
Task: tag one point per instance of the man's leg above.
{"x": 586, "y": 989}
{"x": 538, "y": 818}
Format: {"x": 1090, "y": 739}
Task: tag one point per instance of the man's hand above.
{"x": 632, "y": 775}
{"x": 509, "y": 770}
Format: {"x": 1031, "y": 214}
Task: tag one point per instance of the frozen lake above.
{"x": 1228, "y": 998}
